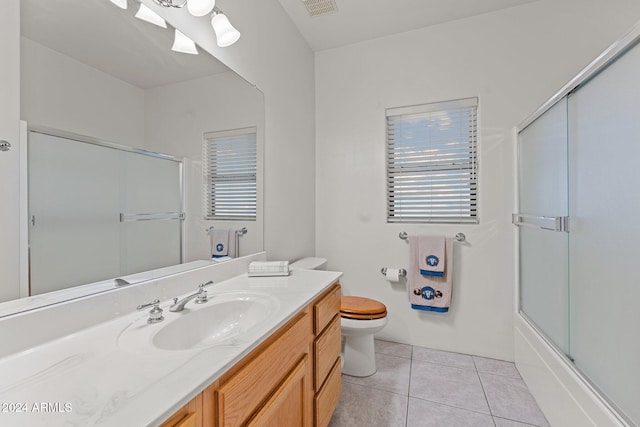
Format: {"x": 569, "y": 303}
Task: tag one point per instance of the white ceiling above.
{"x": 359, "y": 20}
{"x": 112, "y": 40}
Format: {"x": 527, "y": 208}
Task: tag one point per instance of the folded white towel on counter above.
{"x": 429, "y": 293}
{"x": 268, "y": 268}
{"x": 432, "y": 255}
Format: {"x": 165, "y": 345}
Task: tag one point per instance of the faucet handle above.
{"x": 155, "y": 314}
{"x": 202, "y": 285}
{"x": 202, "y": 292}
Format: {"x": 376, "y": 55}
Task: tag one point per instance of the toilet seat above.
{"x": 361, "y": 308}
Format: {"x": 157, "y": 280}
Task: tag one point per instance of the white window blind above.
{"x": 230, "y": 159}
{"x": 432, "y": 164}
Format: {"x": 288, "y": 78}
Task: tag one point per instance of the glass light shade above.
{"x": 226, "y": 34}
{"x": 200, "y": 7}
{"x": 150, "y": 16}
{"x": 120, "y": 3}
{"x": 184, "y": 44}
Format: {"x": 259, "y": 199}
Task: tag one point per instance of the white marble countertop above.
{"x": 92, "y": 377}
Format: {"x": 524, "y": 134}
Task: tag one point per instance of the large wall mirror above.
{"x": 96, "y": 72}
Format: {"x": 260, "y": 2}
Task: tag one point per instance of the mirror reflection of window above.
{"x": 230, "y": 161}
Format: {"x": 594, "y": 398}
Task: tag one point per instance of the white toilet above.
{"x": 360, "y": 319}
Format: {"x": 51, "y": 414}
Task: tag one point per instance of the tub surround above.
{"x": 87, "y": 375}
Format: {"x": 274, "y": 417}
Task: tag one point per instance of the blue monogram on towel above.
{"x": 432, "y": 260}
{"x": 219, "y": 247}
{"x": 428, "y": 293}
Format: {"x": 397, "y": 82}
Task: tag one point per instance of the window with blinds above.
{"x": 432, "y": 164}
{"x": 230, "y": 159}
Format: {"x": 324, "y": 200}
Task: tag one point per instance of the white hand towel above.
{"x": 268, "y": 268}
{"x": 432, "y": 256}
{"x": 219, "y": 242}
{"x": 429, "y": 293}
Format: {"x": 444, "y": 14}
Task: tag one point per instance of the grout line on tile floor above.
{"x": 367, "y": 386}
{"x": 484, "y": 391}
{"x": 406, "y": 415}
{"x": 453, "y": 406}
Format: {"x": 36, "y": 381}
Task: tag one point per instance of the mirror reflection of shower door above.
{"x": 544, "y": 271}
{"x": 98, "y": 212}
{"x": 153, "y": 198}
{"x": 73, "y": 238}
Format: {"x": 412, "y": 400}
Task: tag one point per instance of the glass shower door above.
{"x": 604, "y": 124}
{"x": 543, "y": 207}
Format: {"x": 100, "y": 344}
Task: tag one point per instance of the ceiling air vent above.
{"x": 320, "y": 7}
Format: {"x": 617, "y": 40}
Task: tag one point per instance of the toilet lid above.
{"x": 361, "y": 308}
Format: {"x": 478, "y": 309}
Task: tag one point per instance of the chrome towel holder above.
{"x": 460, "y": 237}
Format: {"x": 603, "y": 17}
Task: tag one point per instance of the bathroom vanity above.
{"x": 261, "y": 351}
{"x": 291, "y": 379}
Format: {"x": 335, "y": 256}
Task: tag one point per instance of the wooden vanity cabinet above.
{"x": 190, "y": 415}
{"x": 326, "y": 356}
{"x": 290, "y": 380}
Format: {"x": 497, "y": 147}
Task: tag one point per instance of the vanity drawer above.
{"x": 243, "y": 394}
{"x": 326, "y": 350}
{"x": 327, "y": 399}
{"x": 325, "y": 309}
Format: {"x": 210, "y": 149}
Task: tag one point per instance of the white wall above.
{"x": 272, "y": 55}
{"x": 60, "y": 92}
{"x": 177, "y": 116}
{"x": 9, "y": 160}
{"x": 512, "y": 60}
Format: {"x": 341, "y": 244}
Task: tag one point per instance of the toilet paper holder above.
{"x": 402, "y": 272}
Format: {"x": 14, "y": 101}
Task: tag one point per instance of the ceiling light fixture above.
{"x": 226, "y": 34}
{"x": 184, "y": 44}
{"x": 150, "y": 16}
{"x": 122, "y": 4}
{"x": 200, "y": 7}
{"x": 195, "y": 7}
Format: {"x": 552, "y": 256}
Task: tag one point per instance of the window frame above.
{"x": 427, "y": 183}
{"x": 231, "y": 209}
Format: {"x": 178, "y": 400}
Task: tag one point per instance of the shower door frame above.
{"x": 627, "y": 41}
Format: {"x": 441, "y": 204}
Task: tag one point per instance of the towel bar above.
{"x": 460, "y": 237}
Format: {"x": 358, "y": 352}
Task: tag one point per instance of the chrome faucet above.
{"x": 155, "y": 315}
{"x": 201, "y": 298}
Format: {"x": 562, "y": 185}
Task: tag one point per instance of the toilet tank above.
{"x": 310, "y": 263}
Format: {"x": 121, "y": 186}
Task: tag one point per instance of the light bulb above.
{"x": 184, "y": 44}
{"x": 200, "y": 7}
{"x": 150, "y": 16}
{"x": 226, "y": 34}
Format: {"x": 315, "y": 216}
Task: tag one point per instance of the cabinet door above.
{"x": 289, "y": 405}
{"x": 239, "y": 398}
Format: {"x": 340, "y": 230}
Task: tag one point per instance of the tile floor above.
{"x": 420, "y": 387}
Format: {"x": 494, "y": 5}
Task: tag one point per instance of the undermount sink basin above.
{"x": 223, "y": 318}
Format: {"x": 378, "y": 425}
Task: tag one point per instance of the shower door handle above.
{"x": 553, "y": 223}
